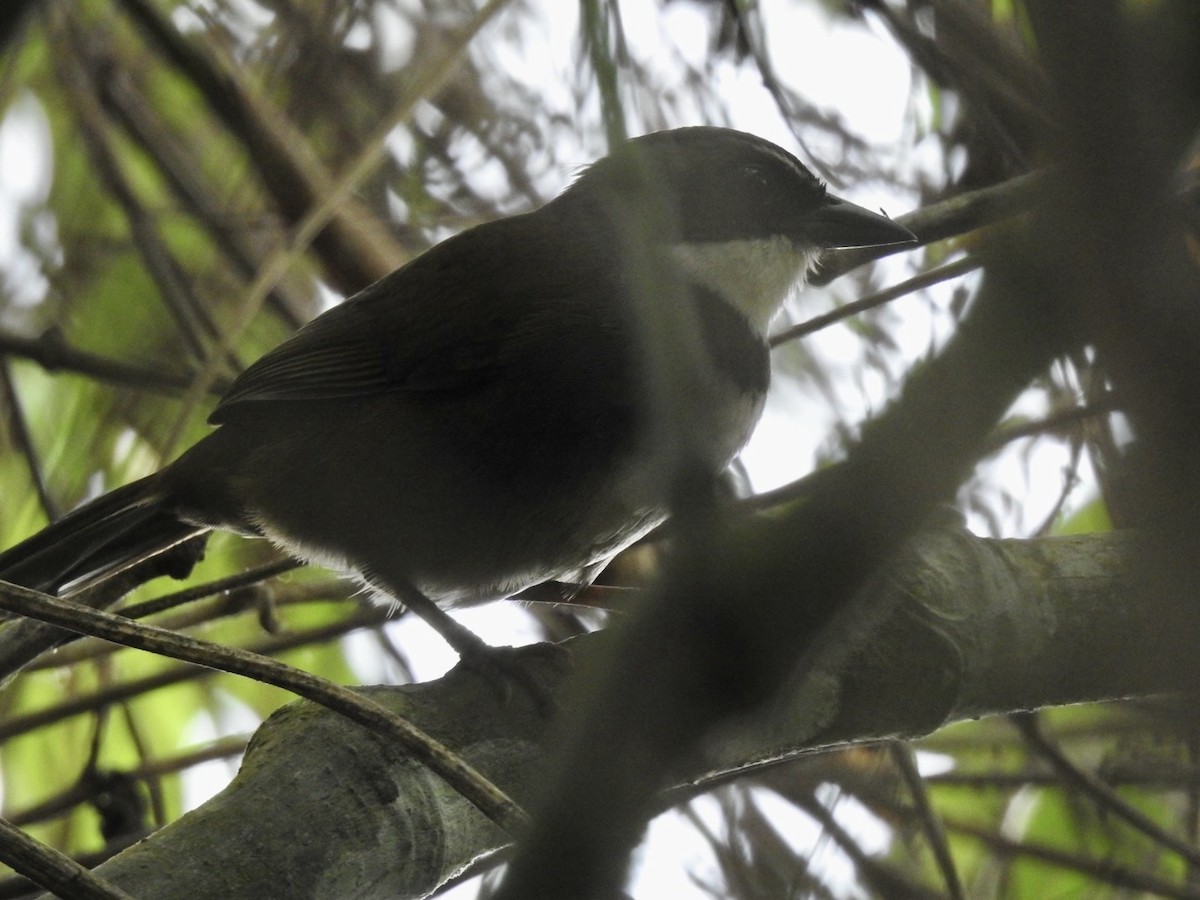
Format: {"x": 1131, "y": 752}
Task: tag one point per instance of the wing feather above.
{"x": 414, "y": 330}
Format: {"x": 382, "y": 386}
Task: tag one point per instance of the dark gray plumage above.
{"x": 474, "y": 423}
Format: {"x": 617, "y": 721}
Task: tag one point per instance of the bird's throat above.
{"x": 754, "y": 276}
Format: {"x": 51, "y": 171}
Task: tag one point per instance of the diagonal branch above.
{"x": 467, "y": 780}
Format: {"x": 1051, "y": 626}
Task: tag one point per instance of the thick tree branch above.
{"x": 958, "y": 627}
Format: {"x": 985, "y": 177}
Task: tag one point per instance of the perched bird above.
{"x": 475, "y": 423}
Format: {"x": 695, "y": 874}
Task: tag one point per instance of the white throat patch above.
{"x": 753, "y": 276}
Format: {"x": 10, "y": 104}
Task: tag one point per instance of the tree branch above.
{"x": 917, "y": 650}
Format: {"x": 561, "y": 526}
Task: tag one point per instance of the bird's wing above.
{"x": 414, "y": 330}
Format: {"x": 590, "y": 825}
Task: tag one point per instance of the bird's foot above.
{"x": 504, "y": 667}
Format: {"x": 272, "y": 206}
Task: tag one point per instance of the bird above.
{"x": 476, "y": 422}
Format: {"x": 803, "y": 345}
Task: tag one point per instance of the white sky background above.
{"x": 857, "y": 72}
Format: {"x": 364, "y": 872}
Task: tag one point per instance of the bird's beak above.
{"x": 837, "y": 224}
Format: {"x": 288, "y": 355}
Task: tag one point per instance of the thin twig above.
{"x": 51, "y": 351}
{"x": 19, "y": 427}
{"x": 879, "y": 873}
{"x": 905, "y": 760}
{"x": 181, "y": 168}
{"x": 1103, "y": 795}
{"x": 210, "y": 588}
{"x": 78, "y": 649}
{"x": 355, "y": 247}
{"x": 51, "y": 869}
{"x": 64, "y": 801}
{"x": 918, "y": 282}
{"x": 1102, "y": 405}
{"x": 123, "y": 690}
{"x": 174, "y": 288}
{"x": 464, "y": 778}
{"x": 1104, "y": 871}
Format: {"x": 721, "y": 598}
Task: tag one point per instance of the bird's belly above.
{"x": 460, "y": 546}
{"x": 437, "y": 510}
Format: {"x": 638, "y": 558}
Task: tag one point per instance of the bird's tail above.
{"x": 100, "y": 538}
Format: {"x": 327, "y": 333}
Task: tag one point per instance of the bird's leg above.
{"x": 499, "y": 662}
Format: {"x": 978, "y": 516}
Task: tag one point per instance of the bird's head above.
{"x": 744, "y": 217}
